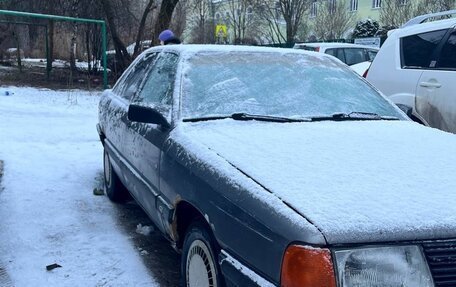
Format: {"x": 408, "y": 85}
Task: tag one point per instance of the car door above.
{"x": 115, "y": 109}
{"x": 436, "y": 93}
{"x": 145, "y": 140}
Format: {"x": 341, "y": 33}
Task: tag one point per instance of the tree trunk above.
{"x": 141, "y": 27}
{"x": 164, "y": 17}
{"x": 122, "y": 57}
{"x": 18, "y": 51}
{"x": 50, "y": 56}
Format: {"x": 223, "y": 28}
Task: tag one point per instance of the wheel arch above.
{"x": 101, "y": 134}
{"x": 185, "y": 214}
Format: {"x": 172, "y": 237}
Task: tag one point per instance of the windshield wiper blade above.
{"x": 266, "y": 118}
{"x": 249, "y": 117}
{"x": 210, "y": 118}
{"x": 353, "y": 116}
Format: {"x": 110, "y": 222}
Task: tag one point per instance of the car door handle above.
{"x": 430, "y": 85}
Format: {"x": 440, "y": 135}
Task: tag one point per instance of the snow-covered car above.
{"x": 416, "y": 67}
{"x": 279, "y": 167}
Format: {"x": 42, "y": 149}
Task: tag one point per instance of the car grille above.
{"x": 441, "y": 257}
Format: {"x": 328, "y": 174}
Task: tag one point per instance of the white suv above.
{"x": 416, "y": 67}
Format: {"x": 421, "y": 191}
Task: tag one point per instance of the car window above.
{"x": 130, "y": 84}
{"x": 159, "y": 84}
{"x": 276, "y": 84}
{"x": 371, "y": 54}
{"x": 336, "y": 52}
{"x": 354, "y": 55}
{"x": 418, "y": 49}
{"x": 447, "y": 58}
{"x": 331, "y": 52}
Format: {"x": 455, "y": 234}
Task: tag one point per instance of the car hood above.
{"x": 356, "y": 181}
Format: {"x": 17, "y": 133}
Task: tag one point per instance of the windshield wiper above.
{"x": 249, "y": 117}
{"x": 354, "y": 116}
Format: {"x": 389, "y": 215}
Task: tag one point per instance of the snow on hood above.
{"x": 368, "y": 181}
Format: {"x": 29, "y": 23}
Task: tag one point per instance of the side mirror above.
{"x": 142, "y": 114}
{"x": 406, "y": 109}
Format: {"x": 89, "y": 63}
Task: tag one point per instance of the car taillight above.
{"x": 365, "y": 73}
{"x": 307, "y": 266}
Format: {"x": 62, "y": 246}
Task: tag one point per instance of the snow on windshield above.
{"x": 291, "y": 85}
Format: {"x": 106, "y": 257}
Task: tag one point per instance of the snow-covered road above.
{"x": 48, "y": 213}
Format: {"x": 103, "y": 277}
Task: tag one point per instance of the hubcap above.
{"x": 200, "y": 266}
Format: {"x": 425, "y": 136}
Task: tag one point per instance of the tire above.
{"x": 199, "y": 267}
{"x": 113, "y": 187}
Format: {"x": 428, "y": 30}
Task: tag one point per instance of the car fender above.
{"x": 407, "y": 99}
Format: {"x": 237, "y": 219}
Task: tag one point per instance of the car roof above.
{"x": 189, "y": 49}
{"x": 424, "y": 27}
{"x": 333, "y": 45}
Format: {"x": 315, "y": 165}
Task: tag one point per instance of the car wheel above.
{"x": 113, "y": 187}
{"x": 199, "y": 267}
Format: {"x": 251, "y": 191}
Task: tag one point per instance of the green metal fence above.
{"x": 64, "y": 19}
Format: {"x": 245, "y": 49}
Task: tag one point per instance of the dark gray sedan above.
{"x": 280, "y": 167}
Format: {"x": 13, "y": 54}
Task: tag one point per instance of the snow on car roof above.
{"x": 193, "y": 49}
{"x": 334, "y": 45}
{"x": 424, "y": 27}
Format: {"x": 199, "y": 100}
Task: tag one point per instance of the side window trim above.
{"x": 126, "y": 74}
{"x": 149, "y": 70}
{"x": 148, "y": 59}
{"x": 136, "y": 97}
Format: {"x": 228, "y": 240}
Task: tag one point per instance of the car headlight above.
{"x": 395, "y": 266}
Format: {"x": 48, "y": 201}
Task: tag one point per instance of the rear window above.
{"x": 354, "y": 56}
{"x": 418, "y": 49}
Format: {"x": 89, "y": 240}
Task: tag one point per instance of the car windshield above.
{"x": 291, "y": 85}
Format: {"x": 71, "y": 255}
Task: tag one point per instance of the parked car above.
{"x": 416, "y": 67}
{"x": 279, "y": 167}
{"x": 350, "y": 54}
{"x": 361, "y": 68}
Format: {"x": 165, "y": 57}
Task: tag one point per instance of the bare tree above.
{"x": 396, "y": 12}
{"x": 164, "y": 17}
{"x": 74, "y": 12}
{"x": 431, "y": 6}
{"x": 179, "y": 20}
{"x": 239, "y": 18}
{"x": 149, "y": 7}
{"x": 122, "y": 56}
{"x": 333, "y": 20}
{"x": 276, "y": 14}
{"x": 201, "y": 21}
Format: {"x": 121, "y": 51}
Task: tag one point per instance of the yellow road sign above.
{"x": 220, "y": 31}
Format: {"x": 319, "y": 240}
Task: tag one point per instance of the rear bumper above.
{"x": 237, "y": 274}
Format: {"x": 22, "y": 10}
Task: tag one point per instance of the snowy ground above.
{"x": 48, "y": 212}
